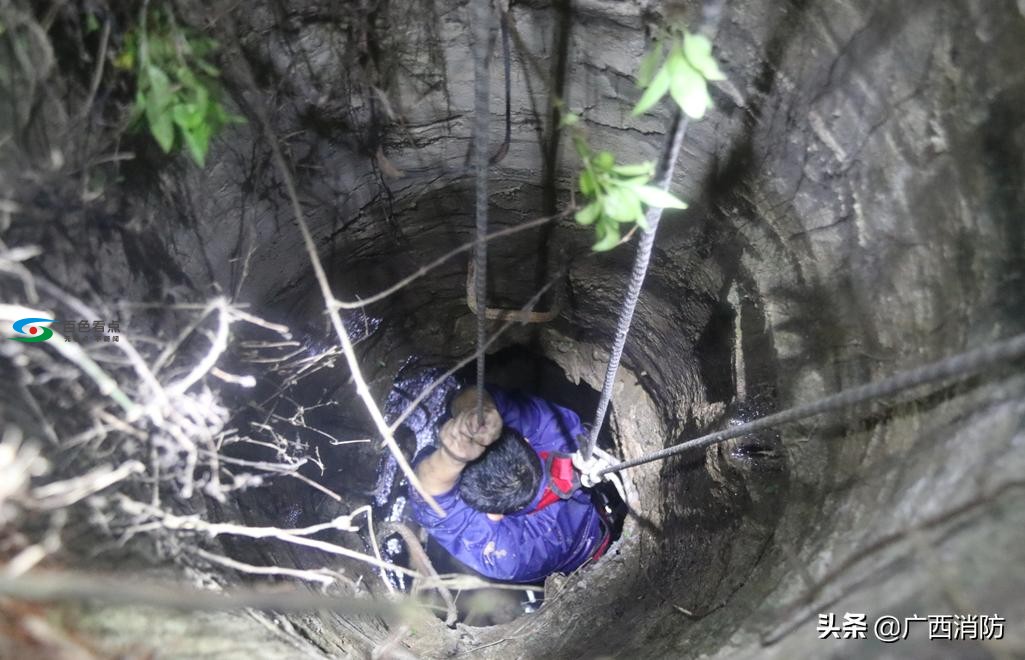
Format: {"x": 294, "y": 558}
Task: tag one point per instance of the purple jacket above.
{"x": 526, "y": 546}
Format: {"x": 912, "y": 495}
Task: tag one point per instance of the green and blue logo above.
{"x": 35, "y": 333}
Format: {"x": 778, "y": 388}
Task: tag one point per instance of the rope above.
{"x": 640, "y": 269}
{"x": 959, "y": 365}
{"x": 481, "y": 35}
{"x": 504, "y": 148}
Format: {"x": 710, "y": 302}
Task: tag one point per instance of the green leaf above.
{"x": 698, "y": 50}
{"x": 186, "y": 77}
{"x": 218, "y": 117}
{"x": 587, "y": 185}
{"x": 91, "y": 23}
{"x": 207, "y": 68}
{"x": 187, "y": 115}
{"x": 622, "y": 205}
{"x": 158, "y": 49}
{"x": 655, "y": 91}
{"x": 198, "y": 141}
{"x": 203, "y": 103}
{"x": 158, "y": 113}
{"x": 162, "y": 128}
{"x": 689, "y": 90}
{"x": 580, "y": 144}
{"x": 608, "y": 237}
{"x": 634, "y": 181}
{"x": 676, "y": 62}
{"x": 640, "y": 169}
{"x": 159, "y": 86}
{"x": 604, "y": 161}
{"x": 177, "y": 89}
{"x": 125, "y": 60}
{"x": 569, "y": 119}
{"x": 588, "y": 214}
{"x": 138, "y": 109}
{"x": 655, "y": 197}
{"x": 201, "y": 46}
{"x": 647, "y": 68}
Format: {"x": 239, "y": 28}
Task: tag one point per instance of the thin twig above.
{"x": 373, "y": 542}
{"x": 60, "y": 494}
{"x": 63, "y": 586}
{"x": 320, "y": 575}
{"x": 419, "y": 556}
{"x": 101, "y": 58}
{"x": 219, "y": 344}
{"x": 363, "y": 302}
{"x": 256, "y": 320}
{"x": 107, "y": 385}
{"x": 329, "y": 300}
{"x": 294, "y": 536}
{"x": 172, "y": 347}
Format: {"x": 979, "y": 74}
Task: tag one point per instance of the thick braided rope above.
{"x": 640, "y": 270}
{"x": 481, "y": 37}
{"x": 956, "y": 366}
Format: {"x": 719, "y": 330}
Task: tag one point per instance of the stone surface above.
{"x": 864, "y": 207}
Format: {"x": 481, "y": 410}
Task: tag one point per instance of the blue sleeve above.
{"x": 547, "y": 426}
{"x": 522, "y": 412}
{"x": 524, "y": 548}
{"x": 461, "y": 524}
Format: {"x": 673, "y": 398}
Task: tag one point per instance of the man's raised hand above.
{"x": 489, "y": 430}
{"x": 464, "y": 440}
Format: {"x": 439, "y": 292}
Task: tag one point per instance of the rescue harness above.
{"x": 563, "y": 483}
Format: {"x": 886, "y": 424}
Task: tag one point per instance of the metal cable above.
{"x": 711, "y": 13}
{"x": 640, "y": 269}
{"x": 959, "y": 365}
{"x": 481, "y": 38}
{"x": 503, "y": 149}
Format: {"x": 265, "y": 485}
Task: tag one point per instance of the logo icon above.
{"x": 28, "y": 327}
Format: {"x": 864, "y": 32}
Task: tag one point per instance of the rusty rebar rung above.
{"x": 518, "y": 315}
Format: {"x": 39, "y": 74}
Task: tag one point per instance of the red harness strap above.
{"x": 548, "y": 498}
{"x": 562, "y": 483}
{"x": 562, "y": 480}
{"x": 562, "y": 474}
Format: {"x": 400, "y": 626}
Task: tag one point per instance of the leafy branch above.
{"x": 617, "y": 193}
{"x": 684, "y": 74}
{"x": 177, "y": 88}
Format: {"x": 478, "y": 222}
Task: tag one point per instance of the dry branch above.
{"x": 330, "y": 303}
{"x": 147, "y": 514}
{"x": 65, "y": 586}
{"x": 321, "y": 576}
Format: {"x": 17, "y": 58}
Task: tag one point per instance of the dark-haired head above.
{"x": 505, "y": 478}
